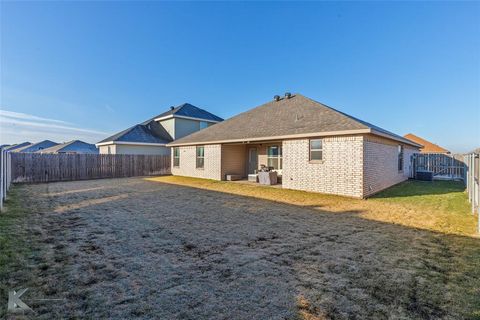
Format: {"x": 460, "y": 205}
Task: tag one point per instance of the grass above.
{"x": 439, "y": 206}
{"x": 14, "y": 246}
{"x": 11, "y": 244}
{"x": 422, "y": 261}
{"x": 450, "y": 258}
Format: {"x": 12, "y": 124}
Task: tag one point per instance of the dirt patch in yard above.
{"x": 130, "y": 248}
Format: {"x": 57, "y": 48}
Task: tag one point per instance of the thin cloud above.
{"x": 17, "y": 127}
{"x": 24, "y": 116}
{"x": 8, "y": 121}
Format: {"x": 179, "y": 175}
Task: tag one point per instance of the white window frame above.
{"x": 279, "y": 157}
{"x": 176, "y": 157}
{"x": 197, "y": 157}
{"x": 310, "y": 149}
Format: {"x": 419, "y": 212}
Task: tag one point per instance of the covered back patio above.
{"x": 244, "y": 161}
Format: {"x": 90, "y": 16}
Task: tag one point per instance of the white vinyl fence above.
{"x": 5, "y": 174}
{"x": 442, "y": 166}
{"x": 472, "y": 162}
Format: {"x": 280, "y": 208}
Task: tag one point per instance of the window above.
{"x": 274, "y": 157}
{"x": 203, "y": 125}
{"x": 200, "y": 157}
{"x": 176, "y": 157}
{"x": 108, "y": 150}
{"x": 400, "y": 158}
{"x": 316, "y": 150}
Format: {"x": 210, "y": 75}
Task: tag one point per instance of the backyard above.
{"x": 172, "y": 247}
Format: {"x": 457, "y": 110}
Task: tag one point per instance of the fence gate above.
{"x": 443, "y": 167}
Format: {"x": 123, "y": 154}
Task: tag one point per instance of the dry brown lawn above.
{"x": 181, "y": 248}
{"x": 439, "y": 206}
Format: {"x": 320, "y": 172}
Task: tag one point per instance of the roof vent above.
{"x": 288, "y": 95}
{"x": 172, "y": 107}
{"x": 276, "y": 98}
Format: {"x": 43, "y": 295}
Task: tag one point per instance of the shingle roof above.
{"x": 17, "y": 146}
{"x": 76, "y": 146}
{"x": 298, "y": 115}
{"x": 150, "y": 131}
{"x": 428, "y": 147}
{"x": 188, "y": 110}
{"x": 146, "y": 132}
{"x": 36, "y": 146}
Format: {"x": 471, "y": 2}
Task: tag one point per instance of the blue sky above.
{"x": 88, "y": 69}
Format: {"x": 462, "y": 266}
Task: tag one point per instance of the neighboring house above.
{"x": 18, "y": 146}
{"x": 34, "y": 147}
{"x": 72, "y": 147}
{"x": 313, "y": 147}
{"x": 151, "y": 136}
{"x": 427, "y": 146}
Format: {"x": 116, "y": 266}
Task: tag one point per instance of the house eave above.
{"x": 385, "y": 135}
{"x": 272, "y": 138}
{"x": 296, "y": 136}
{"x": 130, "y": 143}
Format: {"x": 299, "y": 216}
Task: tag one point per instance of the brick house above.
{"x": 313, "y": 147}
{"x": 427, "y": 146}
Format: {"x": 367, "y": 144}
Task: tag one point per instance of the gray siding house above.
{"x": 34, "y": 147}
{"x": 71, "y": 147}
{"x": 311, "y": 146}
{"x": 151, "y": 136}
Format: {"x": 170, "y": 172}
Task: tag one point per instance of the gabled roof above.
{"x": 190, "y": 111}
{"x": 36, "y": 146}
{"x": 428, "y": 147}
{"x": 17, "y": 146}
{"x": 295, "y": 117}
{"x": 146, "y": 132}
{"x": 150, "y": 131}
{"x": 74, "y": 146}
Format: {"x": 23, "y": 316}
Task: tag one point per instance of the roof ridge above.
{"x": 180, "y": 107}
{"x": 254, "y": 124}
{"x": 364, "y": 123}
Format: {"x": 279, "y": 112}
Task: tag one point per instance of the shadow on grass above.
{"x": 421, "y": 188}
{"x": 219, "y": 254}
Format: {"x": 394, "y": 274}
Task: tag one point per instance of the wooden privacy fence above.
{"x": 441, "y": 165}
{"x": 5, "y": 175}
{"x": 33, "y": 167}
{"x": 472, "y": 182}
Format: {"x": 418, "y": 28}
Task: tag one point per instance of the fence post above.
{"x": 1, "y": 179}
{"x": 473, "y": 181}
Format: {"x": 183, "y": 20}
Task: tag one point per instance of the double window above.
{"x": 400, "y": 158}
{"x": 200, "y": 157}
{"x": 274, "y": 157}
{"x": 316, "y": 150}
{"x": 176, "y": 157}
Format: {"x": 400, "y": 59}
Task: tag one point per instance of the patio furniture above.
{"x": 267, "y": 177}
